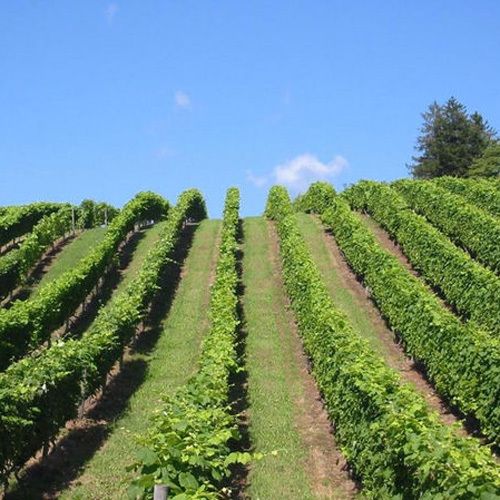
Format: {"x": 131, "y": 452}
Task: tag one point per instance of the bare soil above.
{"x": 384, "y": 239}
{"x": 326, "y": 465}
{"x": 394, "y": 354}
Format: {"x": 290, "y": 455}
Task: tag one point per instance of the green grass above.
{"x": 343, "y": 298}
{"x": 273, "y": 378}
{"x": 71, "y": 255}
{"x": 170, "y": 364}
{"x": 312, "y": 231}
{"x": 82, "y": 246}
{"x": 145, "y": 243}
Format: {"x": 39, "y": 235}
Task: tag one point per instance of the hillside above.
{"x": 343, "y": 345}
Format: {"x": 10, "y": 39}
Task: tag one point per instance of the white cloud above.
{"x": 164, "y": 152}
{"x": 256, "y": 180}
{"x": 299, "y": 172}
{"x": 111, "y": 12}
{"x": 182, "y": 100}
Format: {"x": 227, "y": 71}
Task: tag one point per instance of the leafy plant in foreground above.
{"x": 187, "y": 447}
{"x": 39, "y": 393}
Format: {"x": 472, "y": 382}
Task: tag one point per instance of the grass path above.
{"x": 41, "y": 478}
{"x": 385, "y": 241}
{"x": 131, "y": 257}
{"x": 285, "y": 414}
{"x": 168, "y": 366}
{"x": 339, "y": 281}
{"x": 145, "y": 244}
{"x": 55, "y": 261}
{"x": 71, "y": 255}
{"x": 350, "y": 296}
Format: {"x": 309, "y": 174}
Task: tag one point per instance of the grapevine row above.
{"x": 471, "y": 288}
{"x": 15, "y": 265}
{"x": 393, "y": 442}
{"x": 480, "y": 192}
{"x": 19, "y": 220}
{"x": 28, "y": 324}
{"x": 39, "y": 393}
{"x": 187, "y": 446}
{"x": 462, "y": 360}
{"x": 465, "y": 224}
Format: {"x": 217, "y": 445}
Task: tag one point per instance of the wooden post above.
{"x": 82, "y": 389}
{"x": 161, "y": 492}
{"x": 81, "y": 409}
{"x": 73, "y": 223}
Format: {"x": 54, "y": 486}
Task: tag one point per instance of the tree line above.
{"x": 456, "y": 143}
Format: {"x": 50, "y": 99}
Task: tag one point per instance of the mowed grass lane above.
{"x": 71, "y": 255}
{"x": 45, "y": 477}
{"x": 335, "y": 276}
{"x": 286, "y": 420}
{"x": 169, "y": 365}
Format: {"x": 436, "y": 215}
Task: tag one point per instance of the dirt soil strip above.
{"x": 90, "y": 458}
{"x": 385, "y": 241}
{"x": 286, "y": 413}
{"x": 383, "y": 238}
{"x": 352, "y": 297}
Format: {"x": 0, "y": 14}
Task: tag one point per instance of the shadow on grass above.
{"x": 238, "y": 394}
{"x": 82, "y": 438}
{"x": 25, "y": 290}
{"x": 84, "y": 319}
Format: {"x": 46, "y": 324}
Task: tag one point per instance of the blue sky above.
{"x": 103, "y": 99}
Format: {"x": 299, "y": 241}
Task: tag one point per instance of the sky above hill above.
{"x": 103, "y": 99}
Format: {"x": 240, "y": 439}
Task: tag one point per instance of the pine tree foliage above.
{"x": 450, "y": 142}
{"x": 489, "y": 163}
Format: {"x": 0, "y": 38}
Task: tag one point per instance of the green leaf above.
{"x": 188, "y": 481}
{"x": 147, "y": 456}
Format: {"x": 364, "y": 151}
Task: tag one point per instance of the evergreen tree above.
{"x": 489, "y": 163}
{"x": 451, "y": 140}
